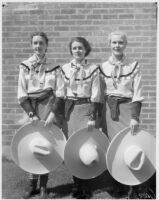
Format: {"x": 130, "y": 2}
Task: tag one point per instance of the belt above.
{"x": 79, "y": 101}
{"x": 119, "y": 99}
{"x": 41, "y": 95}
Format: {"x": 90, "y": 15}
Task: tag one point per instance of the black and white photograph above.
{"x": 79, "y": 99}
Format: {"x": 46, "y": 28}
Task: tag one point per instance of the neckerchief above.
{"x": 117, "y": 69}
{"x": 76, "y": 68}
{"x": 38, "y": 65}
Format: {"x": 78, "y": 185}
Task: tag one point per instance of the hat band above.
{"x": 39, "y": 150}
{"x": 134, "y": 158}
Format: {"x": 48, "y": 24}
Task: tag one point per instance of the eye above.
{"x": 41, "y": 43}
{"x": 121, "y": 43}
{"x": 80, "y": 48}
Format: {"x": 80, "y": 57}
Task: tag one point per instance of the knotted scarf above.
{"x": 38, "y": 66}
{"x": 76, "y": 69}
{"x": 117, "y": 70}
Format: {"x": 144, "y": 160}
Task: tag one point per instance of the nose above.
{"x": 117, "y": 44}
{"x": 77, "y": 50}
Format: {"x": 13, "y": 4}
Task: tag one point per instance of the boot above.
{"x": 80, "y": 189}
{"x": 43, "y": 186}
{"x": 31, "y": 190}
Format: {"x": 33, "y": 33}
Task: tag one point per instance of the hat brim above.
{"x": 71, "y": 153}
{"x": 115, "y": 157}
{"x": 29, "y": 161}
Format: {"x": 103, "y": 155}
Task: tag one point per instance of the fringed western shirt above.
{"x": 80, "y": 81}
{"x": 36, "y": 76}
{"x": 122, "y": 79}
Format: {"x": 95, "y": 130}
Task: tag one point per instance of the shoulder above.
{"x": 25, "y": 65}
{"x": 91, "y": 71}
{"x": 93, "y": 68}
{"x": 65, "y": 70}
{"x": 105, "y": 69}
{"x": 104, "y": 65}
{"x": 66, "y": 66}
{"x": 52, "y": 68}
{"x": 132, "y": 67}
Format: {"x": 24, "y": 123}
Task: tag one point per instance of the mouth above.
{"x": 116, "y": 49}
{"x": 38, "y": 51}
{"x": 77, "y": 54}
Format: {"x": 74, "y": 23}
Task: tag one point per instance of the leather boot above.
{"x": 43, "y": 186}
{"x": 31, "y": 190}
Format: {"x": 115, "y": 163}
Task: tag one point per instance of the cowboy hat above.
{"x": 84, "y": 153}
{"x": 131, "y": 158}
{"x": 38, "y": 149}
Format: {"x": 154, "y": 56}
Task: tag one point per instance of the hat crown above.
{"x": 134, "y": 157}
{"x": 40, "y": 146}
{"x": 88, "y": 153}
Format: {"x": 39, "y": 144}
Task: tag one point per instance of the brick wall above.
{"x": 61, "y": 21}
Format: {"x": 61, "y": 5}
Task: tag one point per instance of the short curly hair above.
{"x": 83, "y": 41}
{"x": 42, "y": 34}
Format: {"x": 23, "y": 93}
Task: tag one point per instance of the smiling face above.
{"x": 39, "y": 45}
{"x": 78, "y": 51}
{"x": 117, "y": 45}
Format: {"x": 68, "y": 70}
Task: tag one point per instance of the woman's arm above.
{"x": 23, "y": 99}
{"x": 136, "y": 100}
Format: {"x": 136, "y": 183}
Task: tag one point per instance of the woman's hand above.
{"x": 34, "y": 120}
{"x": 50, "y": 119}
{"x": 134, "y": 125}
{"x": 91, "y": 125}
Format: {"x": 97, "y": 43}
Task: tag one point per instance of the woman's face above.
{"x": 117, "y": 45}
{"x": 78, "y": 51}
{"x": 39, "y": 45}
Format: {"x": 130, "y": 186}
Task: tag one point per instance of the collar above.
{"x": 121, "y": 62}
{"x": 78, "y": 66}
{"x": 36, "y": 60}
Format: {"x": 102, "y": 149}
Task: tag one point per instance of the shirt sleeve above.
{"x": 22, "y": 85}
{"x": 137, "y": 86}
{"x": 96, "y": 93}
{"x": 22, "y": 92}
{"x": 60, "y": 84}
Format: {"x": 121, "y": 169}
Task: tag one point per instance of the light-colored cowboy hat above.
{"x": 131, "y": 158}
{"x": 85, "y": 152}
{"x": 38, "y": 149}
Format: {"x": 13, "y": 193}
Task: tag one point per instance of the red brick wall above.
{"x": 63, "y": 20}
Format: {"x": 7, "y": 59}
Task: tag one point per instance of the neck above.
{"x": 79, "y": 61}
{"x": 117, "y": 57}
{"x": 40, "y": 57}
